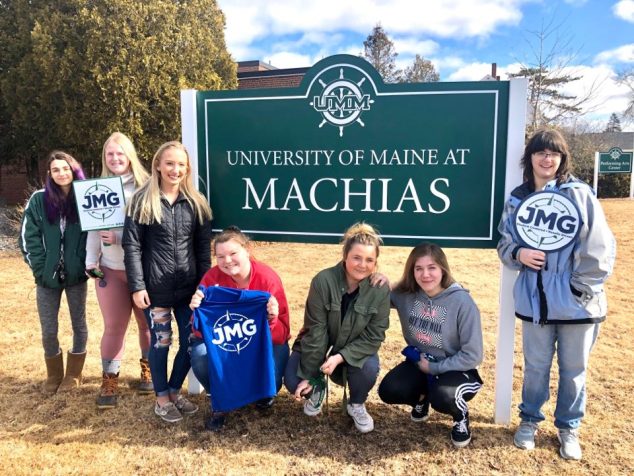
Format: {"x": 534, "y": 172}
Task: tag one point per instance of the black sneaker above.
{"x": 265, "y": 404}
{"x": 460, "y": 434}
{"x": 420, "y": 412}
{"x": 215, "y": 422}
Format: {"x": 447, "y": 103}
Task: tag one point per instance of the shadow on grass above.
{"x": 73, "y": 418}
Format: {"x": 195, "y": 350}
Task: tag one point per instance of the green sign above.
{"x": 420, "y": 161}
{"x": 615, "y": 161}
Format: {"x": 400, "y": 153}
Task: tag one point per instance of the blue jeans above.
{"x": 360, "y": 380}
{"x": 200, "y": 363}
{"x": 573, "y": 343}
{"x": 161, "y": 339}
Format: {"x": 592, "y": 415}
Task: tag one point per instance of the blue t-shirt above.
{"x": 236, "y": 332}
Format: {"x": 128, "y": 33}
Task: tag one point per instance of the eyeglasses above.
{"x": 543, "y": 155}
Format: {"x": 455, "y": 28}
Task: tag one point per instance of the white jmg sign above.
{"x": 547, "y": 221}
{"x": 100, "y": 203}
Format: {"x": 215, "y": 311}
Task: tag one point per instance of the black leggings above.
{"x": 447, "y": 393}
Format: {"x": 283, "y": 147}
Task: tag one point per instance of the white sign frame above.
{"x": 113, "y": 211}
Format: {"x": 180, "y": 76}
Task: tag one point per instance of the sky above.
{"x": 593, "y": 39}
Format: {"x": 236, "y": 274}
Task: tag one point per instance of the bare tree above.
{"x": 549, "y": 69}
{"x": 627, "y": 79}
{"x": 379, "y": 51}
{"x": 421, "y": 71}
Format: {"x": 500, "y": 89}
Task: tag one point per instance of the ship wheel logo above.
{"x": 341, "y": 102}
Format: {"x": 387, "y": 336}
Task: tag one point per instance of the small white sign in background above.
{"x": 100, "y": 203}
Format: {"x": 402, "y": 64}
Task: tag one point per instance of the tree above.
{"x": 614, "y": 124}
{"x": 79, "y": 70}
{"x": 626, "y": 78}
{"x": 548, "y": 72}
{"x": 379, "y": 51}
{"x": 421, "y": 71}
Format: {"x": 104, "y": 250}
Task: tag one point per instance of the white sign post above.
{"x": 100, "y": 203}
{"x": 506, "y": 321}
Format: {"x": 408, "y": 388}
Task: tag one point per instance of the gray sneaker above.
{"x": 525, "y": 435}
{"x": 185, "y": 406}
{"x": 168, "y": 412}
{"x": 312, "y": 405}
{"x": 569, "y": 440}
{"x": 362, "y": 419}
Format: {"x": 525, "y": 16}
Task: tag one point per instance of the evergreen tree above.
{"x": 421, "y": 71}
{"x": 379, "y": 51}
{"x": 614, "y": 124}
{"x": 74, "y": 71}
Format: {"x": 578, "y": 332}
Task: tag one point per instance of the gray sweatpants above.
{"x": 48, "y": 301}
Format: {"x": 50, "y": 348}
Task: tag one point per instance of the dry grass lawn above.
{"x": 68, "y": 435}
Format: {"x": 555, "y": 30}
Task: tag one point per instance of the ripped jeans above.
{"x": 160, "y": 323}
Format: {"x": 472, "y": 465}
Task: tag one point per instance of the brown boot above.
{"x": 54, "y": 372}
{"x": 74, "y": 366}
{"x": 108, "y": 394}
{"x": 145, "y": 385}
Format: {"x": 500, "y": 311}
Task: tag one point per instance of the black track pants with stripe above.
{"x": 447, "y": 393}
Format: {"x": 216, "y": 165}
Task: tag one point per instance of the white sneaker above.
{"x": 362, "y": 419}
{"x": 525, "y": 435}
{"x": 569, "y": 440}
{"x": 310, "y": 409}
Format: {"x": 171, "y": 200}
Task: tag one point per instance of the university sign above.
{"x": 424, "y": 161}
{"x": 421, "y": 161}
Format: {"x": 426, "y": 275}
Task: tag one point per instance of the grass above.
{"x": 66, "y": 434}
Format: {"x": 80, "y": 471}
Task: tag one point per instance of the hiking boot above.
{"x": 420, "y": 412}
{"x": 168, "y": 412}
{"x": 312, "y": 405}
{"x": 362, "y": 419}
{"x": 145, "y": 384}
{"x": 525, "y": 435}
{"x": 215, "y": 422}
{"x": 460, "y": 434}
{"x": 569, "y": 440}
{"x": 185, "y": 406}
{"x": 265, "y": 404}
{"x": 107, "y": 397}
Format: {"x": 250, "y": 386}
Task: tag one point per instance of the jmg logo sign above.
{"x": 233, "y": 332}
{"x": 100, "y": 203}
{"x": 547, "y": 221}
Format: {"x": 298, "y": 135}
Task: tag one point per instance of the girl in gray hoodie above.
{"x": 441, "y": 326}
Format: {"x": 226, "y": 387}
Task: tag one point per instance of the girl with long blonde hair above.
{"x": 167, "y": 243}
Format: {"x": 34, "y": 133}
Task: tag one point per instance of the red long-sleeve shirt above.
{"x": 263, "y": 278}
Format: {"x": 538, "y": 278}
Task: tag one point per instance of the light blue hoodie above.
{"x": 573, "y": 277}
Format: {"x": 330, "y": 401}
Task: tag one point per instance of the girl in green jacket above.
{"x": 54, "y": 247}
{"x": 344, "y": 325}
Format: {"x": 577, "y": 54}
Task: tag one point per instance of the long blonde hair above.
{"x": 136, "y": 167}
{"x": 145, "y": 206}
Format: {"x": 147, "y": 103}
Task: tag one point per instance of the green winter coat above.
{"x": 40, "y": 245}
{"x": 356, "y": 337}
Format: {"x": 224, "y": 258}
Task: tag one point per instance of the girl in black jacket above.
{"x": 166, "y": 240}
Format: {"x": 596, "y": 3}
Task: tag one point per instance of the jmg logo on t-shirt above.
{"x": 233, "y": 332}
{"x": 547, "y": 221}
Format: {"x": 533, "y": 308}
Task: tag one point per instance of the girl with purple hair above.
{"x": 54, "y": 247}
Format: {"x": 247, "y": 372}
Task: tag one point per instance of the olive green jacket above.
{"x": 355, "y": 337}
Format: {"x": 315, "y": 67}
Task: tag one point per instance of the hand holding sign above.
{"x": 534, "y": 259}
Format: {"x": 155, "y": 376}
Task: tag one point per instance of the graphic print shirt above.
{"x": 446, "y": 326}
{"x": 234, "y": 326}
